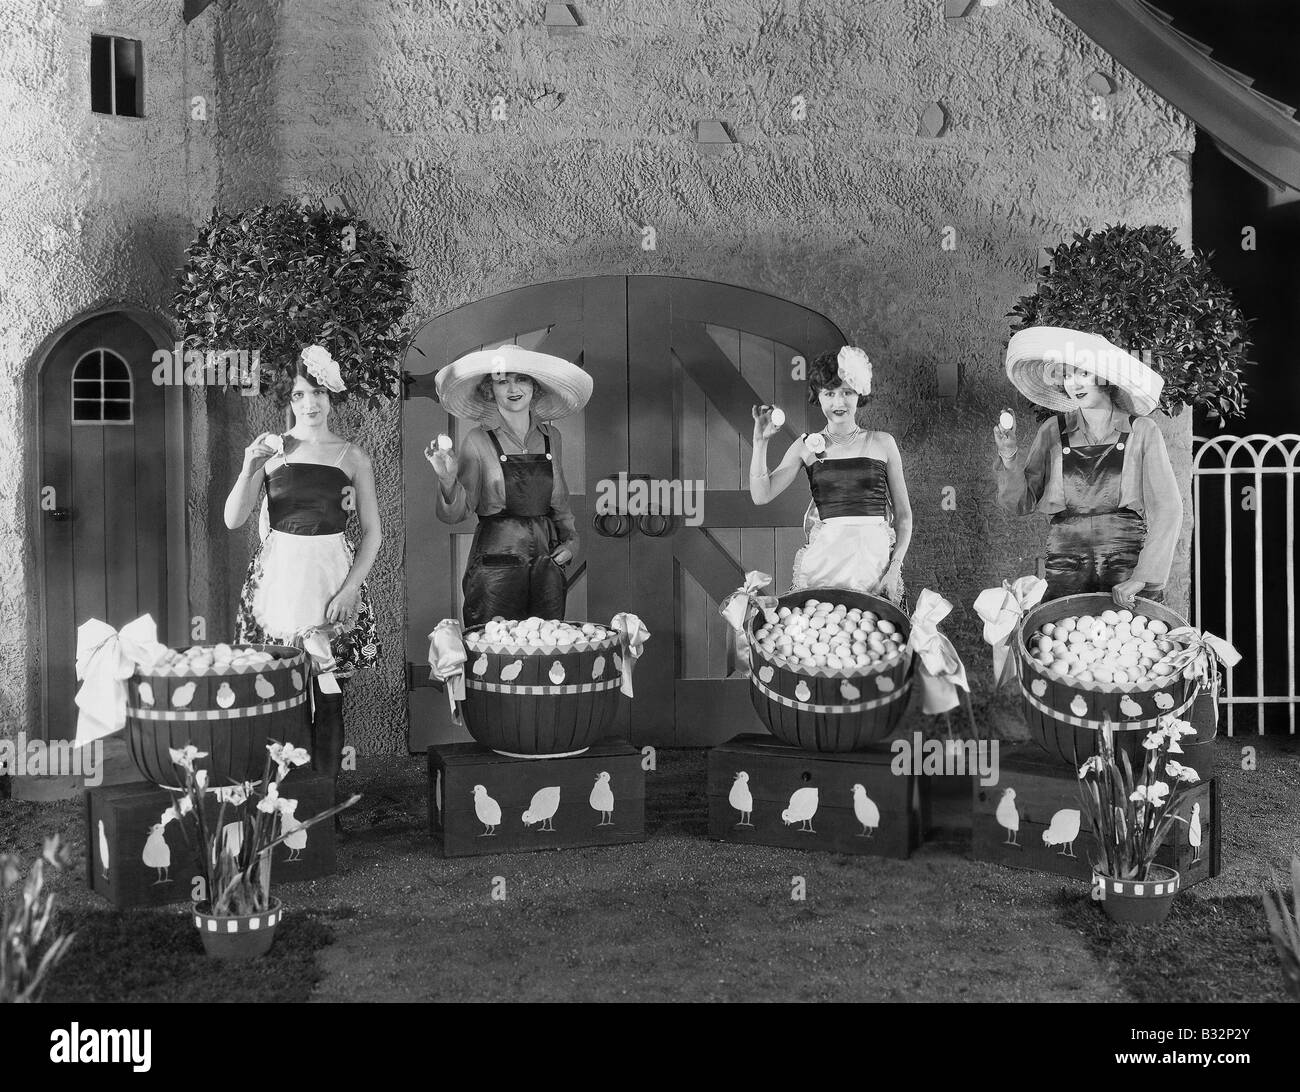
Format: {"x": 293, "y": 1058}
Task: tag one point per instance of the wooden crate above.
{"x": 123, "y": 831}
{"x": 1045, "y": 795}
{"x": 805, "y": 800}
{"x": 469, "y": 785}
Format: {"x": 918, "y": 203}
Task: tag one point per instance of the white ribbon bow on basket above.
{"x": 939, "y": 668}
{"x": 447, "y": 658}
{"x": 632, "y": 636}
{"x": 315, "y": 641}
{"x": 1199, "y": 656}
{"x": 737, "y": 609}
{"x": 106, "y": 658}
{"x": 1002, "y": 610}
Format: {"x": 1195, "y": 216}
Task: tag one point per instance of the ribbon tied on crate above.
{"x": 1199, "y": 656}
{"x": 1002, "y": 610}
{"x": 106, "y": 658}
{"x": 447, "y": 658}
{"x": 737, "y": 609}
{"x": 632, "y": 636}
{"x": 938, "y": 666}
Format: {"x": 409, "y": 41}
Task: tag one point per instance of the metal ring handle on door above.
{"x": 623, "y": 527}
{"x": 667, "y": 526}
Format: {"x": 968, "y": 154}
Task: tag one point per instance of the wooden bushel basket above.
{"x": 234, "y": 725}
{"x": 515, "y": 705}
{"x": 816, "y": 712}
{"x": 1065, "y": 718}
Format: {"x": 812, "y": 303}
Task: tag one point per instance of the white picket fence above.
{"x": 1240, "y": 466}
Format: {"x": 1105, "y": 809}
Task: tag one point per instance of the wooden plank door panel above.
{"x": 700, "y": 355}
{"x": 107, "y": 560}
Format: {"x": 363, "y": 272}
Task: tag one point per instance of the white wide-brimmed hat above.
{"x": 1037, "y": 357}
{"x": 563, "y": 389}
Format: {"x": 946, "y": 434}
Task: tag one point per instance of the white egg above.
{"x": 778, "y": 416}
{"x": 1006, "y": 421}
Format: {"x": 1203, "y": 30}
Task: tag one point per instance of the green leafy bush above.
{"x": 1139, "y": 289}
{"x": 280, "y": 277}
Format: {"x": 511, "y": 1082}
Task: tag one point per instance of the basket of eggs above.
{"x": 1084, "y": 664}
{"x": 541, "y": 688}
{"x": 832, "y": 671}
{"x": 228, "y": 701}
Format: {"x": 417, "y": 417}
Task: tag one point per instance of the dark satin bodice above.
{"x": 848, "y": 487}
{"x": 307, "y": 499}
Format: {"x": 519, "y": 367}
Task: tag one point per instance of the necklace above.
{"x": 845, "y": 440}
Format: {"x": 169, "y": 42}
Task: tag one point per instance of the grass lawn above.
{"x": 679, "y": 917}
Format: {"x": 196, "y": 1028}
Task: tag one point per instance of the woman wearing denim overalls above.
{"x": 508, "y": 473}
{"x": 1098, "y": 466}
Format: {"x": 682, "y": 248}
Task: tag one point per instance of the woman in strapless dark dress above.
{"x": 305, "y": 574}
{"x": 859, "y": 525}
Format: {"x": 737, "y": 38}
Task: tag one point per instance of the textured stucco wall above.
{"x": 391, "y": 105}
{"x": 93, "y": 210}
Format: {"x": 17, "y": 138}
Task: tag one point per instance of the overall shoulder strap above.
{"x": 492, "y": 435}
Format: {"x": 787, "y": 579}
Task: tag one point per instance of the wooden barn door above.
{"x": 103, "y": 497}
{"x": 676, "y": 364}
{"x": 700, "y": 355}
{"x": 580, "y": 320}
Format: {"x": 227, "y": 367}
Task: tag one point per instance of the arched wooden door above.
{"x": 103, "y": 496}
{"x": 676, "y": 364}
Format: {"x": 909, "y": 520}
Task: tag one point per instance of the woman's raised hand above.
{"x": 444, "y": 462}
{"x": 256, "y": 453}
{"x": 764, "y": 429}
{"x": 1005, "y": 438}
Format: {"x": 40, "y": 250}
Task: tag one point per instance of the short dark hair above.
{"x": 282, "y": 388}
{"x": 824, "y": 375}
{"x": 484, "y": 388}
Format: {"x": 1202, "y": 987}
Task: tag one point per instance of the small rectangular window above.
{"x": 116, "y": 76}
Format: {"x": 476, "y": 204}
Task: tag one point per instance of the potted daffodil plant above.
{"x": 1131, "y": 814}
{"x": 231, "y": 830}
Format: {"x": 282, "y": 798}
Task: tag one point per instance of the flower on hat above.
{"x": 323, "y": 368}
{"x": 855, "y": 368}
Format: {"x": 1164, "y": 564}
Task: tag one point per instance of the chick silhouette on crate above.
{"x": 487, "y": 810}
{"x": 1063, "y": 830}
{"x": 1194, "y": 832}
{"x": 742, "y": 799}
{"x": 103, "y": 849}
{"x": 157, "y": 853}
{"x": 803, "y": 806}
{"x": 295, "y": 834}
{"x": 866, "y": 811}
{"x": 1009, "y": 818}
{"x": 602, "y": 800}
{"x": 545, "y": 803}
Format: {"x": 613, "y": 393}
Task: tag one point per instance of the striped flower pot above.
{"x": 526, "y": 702}
{"x": 1138, "y": 902}
{"x": 828, "y": 712}
{"x": 239, "y": 937}
{"x": 231, "y": 714}
{"x": 1065, "y": 717}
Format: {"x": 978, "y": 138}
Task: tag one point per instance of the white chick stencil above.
{"x": 1009, "y": 817}
{"x": 511, "y": 671}
{"x": 742, "y": 799}
{"x": 263, "y": 688}
{"x": 1063, "y": 830}
{"x": 866, "y": 811}
{"x": 487, "y": 810}
{"x": 544, "y": 805}
{"x": 182, "y": 696}
{"x": 803, "y": 806}
{"x": 602, "y": 800}
{"x": 157, "y": 853}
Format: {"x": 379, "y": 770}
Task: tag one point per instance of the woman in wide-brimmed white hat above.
{"x": 508, "y": 473}
{"x": 1098, "y": 467}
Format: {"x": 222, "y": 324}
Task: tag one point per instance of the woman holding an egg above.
{"x": 1098, "y": 466}
{"x": 508, "y": 473}
{"x": 855, "y": 476}
{"x": 305, "y": 575}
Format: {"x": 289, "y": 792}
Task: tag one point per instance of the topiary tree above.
{"x": 280, "y": 277}
{"x": 1139, "y": 289}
